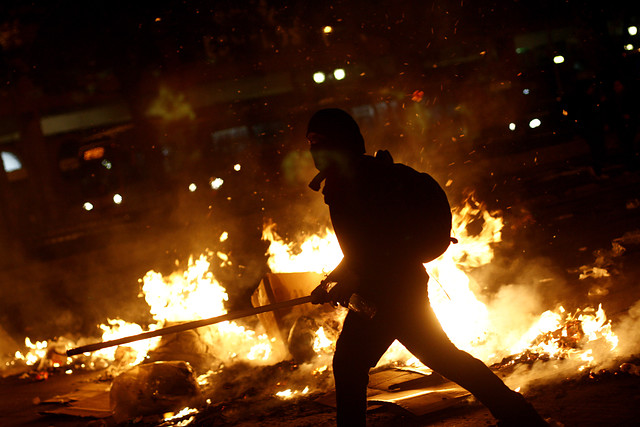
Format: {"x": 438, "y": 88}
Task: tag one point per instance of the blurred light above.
{"x": 117, "y": 199}
{"x": 224, "y": 236}
{"x": 512, "y": 126}
{"x": 558, "y": 59}
{"x": 534, "y": 123}
{"x": 93, "y": 153}
{"x": 237, "y": 167}
{"x": 628, "y": 46}
{"x": 87, "y": 206}
{"x": 319, "y": 77}
{"x": 526, "y": 91}
{"x": 633, "y": 30}
{"x": 10, "y": 162}
{"x": 327, "y": 29}
{"x": 192, "y": 187}
{"x": 216, "y": 183}
{"x": 106, "y": 163}
{"x": 339, "y": 73}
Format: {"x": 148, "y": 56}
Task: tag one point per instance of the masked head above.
{"x": 334, "y": 138}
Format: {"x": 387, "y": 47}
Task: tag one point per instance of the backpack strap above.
{"x": 316, "y": 182}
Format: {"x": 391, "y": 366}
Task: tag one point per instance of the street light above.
{"x": 319, "y": 77}
{"x": 339, "y": 73}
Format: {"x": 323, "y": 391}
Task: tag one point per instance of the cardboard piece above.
{"x": 418, "y": 401}
{"x": 90, "y": 400}
{"x": 283, "y": 287}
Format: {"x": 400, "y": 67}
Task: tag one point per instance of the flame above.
{"x": 288, "y": 393}
{"x": 585, "y": 336}
{"x": 463, "y": 316}
{"x": 318, "y": 253}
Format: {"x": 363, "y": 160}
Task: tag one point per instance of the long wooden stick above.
{"x": 188, "y": 325}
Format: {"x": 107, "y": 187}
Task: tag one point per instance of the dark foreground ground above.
{"x": 606, "y": 399}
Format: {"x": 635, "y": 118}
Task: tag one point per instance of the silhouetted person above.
{"x": 361, "y": 205}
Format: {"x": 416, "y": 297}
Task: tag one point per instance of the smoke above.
{"x": 628, "y": 330}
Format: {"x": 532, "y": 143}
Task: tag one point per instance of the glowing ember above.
{"x": 288, "y": 393}
{"x": 37, "y": 351}
{"x": 170, "y": 416}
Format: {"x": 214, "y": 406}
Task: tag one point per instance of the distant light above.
{"x": 237, "y": 167}
{"x": 339, "y": 74}
{"x": 87, "y": 206}
{"x": 628, "y": 46}
{"x": 216, "y": 183}
{"x": 633, "y": 30}
{"x": 319, "y": 77}
{"x": 224, "y": 236}
{"x": 93, "y": 153}
{"x": 534, "y": 123}
{"x": 512, "y": 126}
{"x": 558, "y": 59}
{"x": 525, "y": 91}
{"x": 328, "y": 29}
{"x": 192, "y": 187}
{"x": 117, "y": 199}
{"x": 106, "y": 163}
{"x": 10, "y": 161}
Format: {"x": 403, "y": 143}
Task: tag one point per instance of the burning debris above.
{"x": 284, "y": 354}
{"x": 154, "y": 388}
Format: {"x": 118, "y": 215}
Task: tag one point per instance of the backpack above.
{"x": 418, "y": 223}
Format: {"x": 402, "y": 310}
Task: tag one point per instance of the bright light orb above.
{"x": 216, "y": 183}
{"x": 512, "y": 126}
{"x": 117, "y": 199}
{"x": 558, "y": 59}
{"x": 192, "y": 187}
{"x": 328, "y": 29}
{"x": 632, "y": 30}
{"x": 628, "y": 46}
{"x": 534, "y": 123}
{"x": 87, "y": 206}
{"x": 339, "y": 73}
{"x": 237, "y": 167}
{"x": 319, "y": 77}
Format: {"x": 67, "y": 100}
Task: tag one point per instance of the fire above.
{"x": 288, "y": 393}
{"x": 462, "y": 315}
{"x": 562, "y": 335}
{"x": 193, "y": 293}
{"x": 318, "y": 253}
{"x": 452, "y": 294}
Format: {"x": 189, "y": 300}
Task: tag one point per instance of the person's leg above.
{"x": 359, "y": 347}
{"x": 421, "y": 333}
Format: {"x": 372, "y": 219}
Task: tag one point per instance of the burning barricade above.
{"x": 284, "y": 352}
